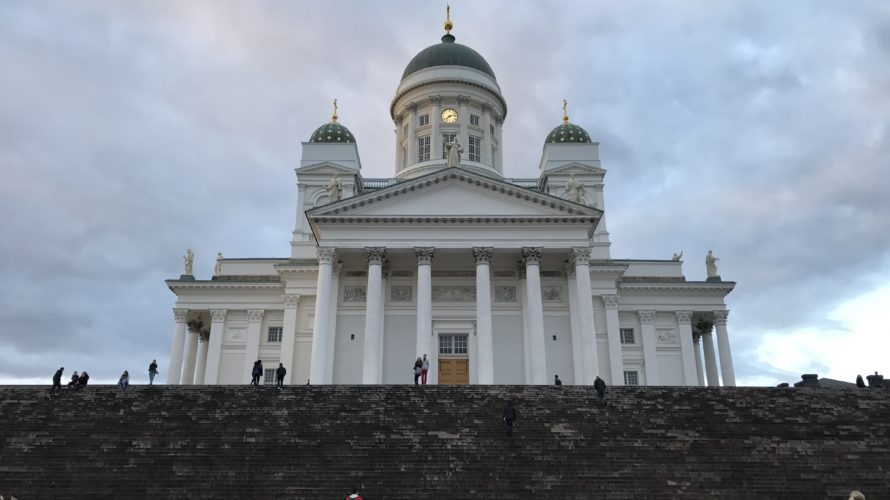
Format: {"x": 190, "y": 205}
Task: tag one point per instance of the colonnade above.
{"x": 200, "y": 361}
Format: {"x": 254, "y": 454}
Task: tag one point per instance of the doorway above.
{"x": 454, "y": 363}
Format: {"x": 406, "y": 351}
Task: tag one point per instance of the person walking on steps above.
{"x": 152, "y": 371}
{"x": 600, "y": 386}
{"x": 556, "y": 380}
{"x": 424, "y": 367}
{"x": 510, "y": 416}
{"x": 72, "y": 384}
{"x": 279, "y": 375}
{"x": 256, "y": 373}
{"x": 418, "y": 369}
{"x": 83, "y": 380}
{"x": 57, "y": 380}
{"x": 124, "y": 381}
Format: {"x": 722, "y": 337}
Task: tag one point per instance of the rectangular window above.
{"x": 446, "y": 138}
{"x": 631, "y": 378}
{"x": 474, "y": 120}
{"x": 269, "y": 375}
{"x": 274, "y": 334}
{"x": 453, "y": 344}
{"x": 627, "y": 335}
{"x": 423, "y": 120}
{"x": 475, "y": 149}
{"x": 423, "y": 149}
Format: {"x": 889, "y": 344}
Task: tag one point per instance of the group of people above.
{"x": 80, "y": 381}
{"x": 257, "y": 372}
{"x": 421, "y": 367}
{"x": 511, "y": 414}
{"x": 873, "y": 380}
{"x": 76, "y": 382}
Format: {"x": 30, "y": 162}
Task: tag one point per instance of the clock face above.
{"x": 449, "y": 116}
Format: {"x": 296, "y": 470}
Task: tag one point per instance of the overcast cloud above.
{"x": 130, "y": 131}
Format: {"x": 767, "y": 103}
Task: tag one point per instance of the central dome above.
{"x": 448, "y": 53}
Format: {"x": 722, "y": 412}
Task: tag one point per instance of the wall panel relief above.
{"x": 354, "y": 293}
{"x": 400, "y": 294}
{"x": 505, "y": 294}
{"x": 551, "y": 293}
{"x": 666, "y": 336}
{"x": 454, "y": 294}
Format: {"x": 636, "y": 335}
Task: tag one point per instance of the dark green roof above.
{"x": 448, "y": 53}
{"x": 568, "y": 132}
{"x": 332, "y": 132}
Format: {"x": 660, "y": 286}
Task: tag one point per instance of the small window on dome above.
{"x": 423, "y": 149}
{"x": 474, "y": 120}
{"x": 446, "y": 138}
{"x": 475, "y": 149}
{"x": 424, "y": 120}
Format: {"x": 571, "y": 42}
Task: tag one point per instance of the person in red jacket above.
{"x": 354, "y": 496}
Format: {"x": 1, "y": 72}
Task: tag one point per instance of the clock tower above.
{"x": 448, "y": 91}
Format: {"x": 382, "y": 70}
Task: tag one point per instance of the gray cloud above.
{"x": 130, "y": 131}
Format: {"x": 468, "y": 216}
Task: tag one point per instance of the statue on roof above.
{"x": 188, "y": 259}
{"x": 677, "y": 256}
{"x": 453, "y": 152}
{"x": 334, "y": 188}
{"x": 217, "y": 269}
{"x": 711, "y": 264}
{"x": 575, "y": 191}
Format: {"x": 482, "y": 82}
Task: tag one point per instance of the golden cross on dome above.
{"x": 334, "y": 116}
{"x": 448, "y": 24}
{"x": 565, "y": 114}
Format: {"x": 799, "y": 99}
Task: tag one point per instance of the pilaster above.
{"x": 650, "y": 353}
{"x": 613, "y": 330}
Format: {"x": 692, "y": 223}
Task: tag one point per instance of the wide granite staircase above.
{"x": 409, "y": 442}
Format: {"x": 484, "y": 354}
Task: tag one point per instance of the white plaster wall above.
{"x": 559, "y": 351}
{"x": 670, "y": 368}
{"x": 509, "y": 366}
{"x": 347, "y": 351}
{"x": 302, "y": 360}
{"x": 231, "y": 368}
{"x": 398, "y": 349}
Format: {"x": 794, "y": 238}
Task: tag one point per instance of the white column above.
{"x": 484, "y": 338}
{"x": 412, "y": 135}
{"x": 537, "y": 344}
{"x": 616, "y": 358}
{"x": 463, "y": 120}
{"x": 526, "y": 334}
{"x": 373, "y": 313}
{"x": 334, "y": 301}
{"x": 684, "y": 330}
{"x": 710, "y": 357}
{"x": 589, "y": 355}
{"x": 179, "y": 315}
{"x": 424, "y": 257}
{"x": 486, "y": 136}
{"x": 435, "y": 136}
{"x": 699, "y": 371}
{"x": 289, "y": 335}
{"x": 188, "y": 362}
{"x": 252, "y": 350}
{"x": 321, "y": 332}
{"x": 650, "y": 354}
{"x": 726, "y": 370}
{"x": 214, "y": 351}
{"x": 202, "y": 359}
{"x": 575, "y": 325}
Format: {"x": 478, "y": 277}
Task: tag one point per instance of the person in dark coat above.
{"x": 82, "y": 380}
{"x": 418, "y": 370}
{"x": 556, "y": 380}
{"x": 152, "y": 371}
{"x": 859, "y": 381}
{"x": 73, "y": 382}
{"x": 279, "y": 374}
{"x": 57, "y": 380}
{"x": 510, "y": 416}
{"x": 600, "y": 386}
{"x": 256, "y": 373}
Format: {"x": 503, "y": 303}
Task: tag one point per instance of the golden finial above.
{"x": 448, "y": 24}
{"x": 334, "y": 116}
{"x": 565, "y": 114}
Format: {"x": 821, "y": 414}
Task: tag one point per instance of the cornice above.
{"x": 175, "y": 285}
{"x": 392, "y": 105}
{"x": 687, "y": 287}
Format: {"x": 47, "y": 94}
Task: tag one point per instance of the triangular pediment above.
{"x": 577, "y": 168}
{"x": 326, "y": 167}
{"x": 454, "y": 192}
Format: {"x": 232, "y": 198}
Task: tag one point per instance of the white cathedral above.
{"x": 497, "y": 280}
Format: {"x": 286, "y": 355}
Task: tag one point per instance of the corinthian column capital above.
{"x": 647, "y": 317}
{"x": 255, "y": 315}
{"x": 180, "y": 314}
{"x": 684, "y": 317}
{"x": 720, "y": 317}
{"x": 482, "y": 255}
{"x": 611, "y": 301}
{"x": 424, "y": 255}
{"x": 581, "y": 255}
{"x": 532, "y": 255}
{"x": 376, "y": 255}
{"x": 291, "y": 300}
{"x": 217, "y": 315}
{"x": 326, "y": 254}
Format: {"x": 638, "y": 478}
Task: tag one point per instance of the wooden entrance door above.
{"x": 454, "y": 371}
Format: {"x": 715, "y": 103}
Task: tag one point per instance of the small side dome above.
{"x": 567, "y": 132}
{"x": 332, "y": 132}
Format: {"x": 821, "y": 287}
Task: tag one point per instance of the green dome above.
{"x": 332, "y": 132}
{"x": 568, "y": 132}
{"x": 448, "y": 53}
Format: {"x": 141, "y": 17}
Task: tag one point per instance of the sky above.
{"x": 130, "y": 131}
